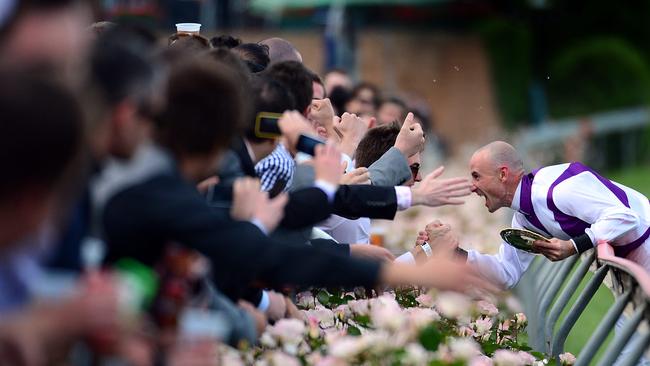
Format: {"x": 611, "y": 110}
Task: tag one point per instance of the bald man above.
{"x": 281, "y": 50}
{"x": 569, "y": 203}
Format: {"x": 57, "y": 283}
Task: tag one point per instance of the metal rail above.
{"x": 548, "y": 287}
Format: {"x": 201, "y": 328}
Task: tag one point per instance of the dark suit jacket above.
{"x": 309, "y": 206}
{"x": 141, "y": 217}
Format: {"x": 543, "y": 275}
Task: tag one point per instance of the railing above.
{"x": 548, "y": 286}
{"x": 534, "y": 142}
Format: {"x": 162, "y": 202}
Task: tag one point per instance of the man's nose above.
{"x": 473, "y": 188}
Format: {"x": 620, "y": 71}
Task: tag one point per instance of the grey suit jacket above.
{"x": 391, "y": 169}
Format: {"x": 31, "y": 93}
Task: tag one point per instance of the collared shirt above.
{"x": 279, "y": 165}
{"x": 565, "y": 201}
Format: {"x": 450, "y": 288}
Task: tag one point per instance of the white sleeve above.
{"x": 586, "y": 198}
{"x": 505, "y": 268}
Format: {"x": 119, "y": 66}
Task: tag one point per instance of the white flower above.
{"x": 453, "y": 305}
{"x": 487, "y": 308}
{"x": 567, "y": 358}
{"x": 483, "y": 326}
{"x": 343, "y": 312}
{"x": 314, "y": 358}
{"x": 465, "y": 331}
{"x": 359, "y": 307}
{"x": 425, "y": 300}
{"x": 290, "y": 348}
{"x": 330, "y": 361}
{"x": 381, "y": 341}
{"x": 415, "y": 355}
{"x": 268, "y": 341}
{"x": 526, "y": 358}
{"x": 323, "y": 315}
{"x": 288, "y": 330}
{"x": 504, "y": 357}
{"x": 505, "y": 325}
{"x": 481, "y": 360}
{"x": 421, "y": 317}
{"x": 347, "y": 347}
{"x": 464, "y": 348}
{"x": 277, "y": 358}
{"x": 230, "y": 356}
{"x": 513, "y": 304}
{"x": 521, "y": 320}
{"x": 305, "y": 300}
{"x": 385, "y": 313}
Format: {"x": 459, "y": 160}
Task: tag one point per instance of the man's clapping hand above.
{"x": 250, "y": 203}
{"x": 352, "y": 129}
{"x": 441, "y": 237}
{"x": 321, "y": 115}
{"x": 293, "y": 124}
{"x": 356, "y": 176}
{"x": 435, "y": 192}
{"x": 410, "y": 139}
{"x": 327, "y": 164}
{"x": 371, "y": 252}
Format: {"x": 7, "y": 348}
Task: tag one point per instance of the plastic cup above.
{"x": 190, "y": 28}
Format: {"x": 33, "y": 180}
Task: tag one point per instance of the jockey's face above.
{"x": 489, "y": 181}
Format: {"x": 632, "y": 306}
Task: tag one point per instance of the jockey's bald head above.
{"x": 501, "y": 153}
{"x": 496, "y": 170}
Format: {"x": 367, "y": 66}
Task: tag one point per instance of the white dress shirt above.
{"x": 567, "y": 201}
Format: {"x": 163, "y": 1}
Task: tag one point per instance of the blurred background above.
{"x": 564, "y": 80}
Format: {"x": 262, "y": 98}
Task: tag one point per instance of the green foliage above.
{"x": 353, "y": 331}
{"x": 431, "y": 337}
{"x": 597, "y": 74}
{"x": 508, "y": 45}
{"x": 406, "y": 297}
{"x": 332, "y": 298}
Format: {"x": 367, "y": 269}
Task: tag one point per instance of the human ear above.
{"x": 503, "y": 173}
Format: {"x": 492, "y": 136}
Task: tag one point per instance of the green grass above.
{"x": 637, "y": 178}
{"x": 588, "y": 321}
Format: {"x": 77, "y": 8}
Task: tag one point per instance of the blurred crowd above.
{"x": 162, "y": 196}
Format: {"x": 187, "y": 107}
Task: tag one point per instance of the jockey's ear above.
{"x": 503, "y": 173}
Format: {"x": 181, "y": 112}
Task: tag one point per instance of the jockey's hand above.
{"x": 554, "y": 249}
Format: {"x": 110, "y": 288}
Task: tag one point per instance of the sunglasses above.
{"x": 415, "y": 169}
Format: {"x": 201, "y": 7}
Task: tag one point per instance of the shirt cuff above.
{"x": 348, "y": 159}
{"x": 264, "y": 302}
{"x": 329, "y": 189}
{"x": 406, "y": 258}
{"x": 403, "y": 197}
{"x": 582, "y": 243}
{"x": 259, "y": 225}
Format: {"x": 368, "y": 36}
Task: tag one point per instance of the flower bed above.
{"x": 404, "y": 327}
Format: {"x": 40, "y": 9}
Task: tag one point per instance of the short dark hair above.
{"x": 315, "y": 78}
{"x": 375, "y": 143}
{"x": 268, "y": 95}
{"x": 121, "y": 65}
{"x": 190, "y": 43}
{"x": 225, "y": 41}
{"x": 297, "y": 78}
{"x": 41, "y": 132}
{"x": 255, "y": 56}
{"x": 227, "y": 57}
{"x": 339, "y": 96}
{"x": 205, "y": 108}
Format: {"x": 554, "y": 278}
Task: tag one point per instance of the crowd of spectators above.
{"x": 162, "y": 196}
